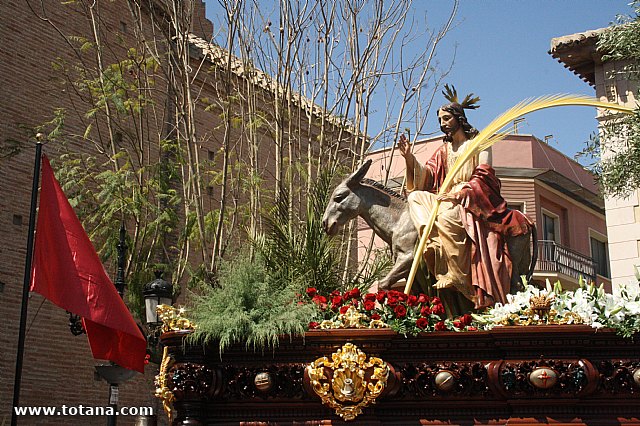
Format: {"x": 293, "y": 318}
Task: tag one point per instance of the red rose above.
{"x": 400, "y": 311}
{"x": 321, "y": 301}
{"x": 471, "y": 328}
{"x": 423, "y": 298}
{"x": 381, "y": 295}
{"x": 369, "y": 305}
{"x": 394, "y": 293}
{"x": 425, "y": 311}
{"x": 313, "y": 325}
{"x": 370, "y": 297}
{"x": 392, "y": 301}
{"x": 335, "y": 293}
{"x": 422, "y": 323}
{"x": 336, "y": 301}
{"x": 436, "y": 301}
{"x": 441, "y": 326}
{"x": 466, "y": 319}
{"x": 344, "y": 309}
{"x": 458, "y": 324}
{"x": 311, "y": 291}
{"x": 403, "y": 297}
{"x": 375, "y": 316}
{"x": 412, "y": 300}
{"x": 318, "y": 299}
{"x": 353, "y": 294}
{"x": 438, "y": 309}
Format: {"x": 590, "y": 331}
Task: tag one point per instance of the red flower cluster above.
{"x": 406, "y": 314}
{"x": 464, "y": 323}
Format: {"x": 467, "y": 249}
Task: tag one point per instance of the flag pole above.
{"x": 27, "y": 279}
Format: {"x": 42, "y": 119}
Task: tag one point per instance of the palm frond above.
{"x": 450, "y": 93}
{"x": 492, "y": 134}
{"x": 470, "y": 102}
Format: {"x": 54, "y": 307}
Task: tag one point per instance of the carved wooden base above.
{"x": 563, "y": 375}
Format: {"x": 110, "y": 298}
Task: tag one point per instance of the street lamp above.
{"x": 157, "y": 292}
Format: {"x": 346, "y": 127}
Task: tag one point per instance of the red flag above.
{"x": 67, "y": 271}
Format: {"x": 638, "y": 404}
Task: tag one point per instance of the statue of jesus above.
{"x": 466, "y": 249}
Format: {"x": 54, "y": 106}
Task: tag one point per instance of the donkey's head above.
{"x": 345, "y": 204}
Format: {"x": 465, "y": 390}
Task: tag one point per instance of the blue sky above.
{"x": 501, "y": 55}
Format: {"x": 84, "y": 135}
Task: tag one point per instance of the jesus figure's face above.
{"x": 448, "y": 122}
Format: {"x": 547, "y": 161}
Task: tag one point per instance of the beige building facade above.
{"x": 579, "y": 54}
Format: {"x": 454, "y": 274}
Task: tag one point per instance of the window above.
{"x": 516, "y": 205}
{"x": 550, "y": 227}
{"x": 600, "y": 255}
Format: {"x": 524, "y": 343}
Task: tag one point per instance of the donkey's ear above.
{"x": 360, "y": 173}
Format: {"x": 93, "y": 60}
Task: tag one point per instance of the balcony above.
{"x": 557, "y": 262}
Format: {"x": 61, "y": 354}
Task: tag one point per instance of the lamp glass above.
{"x": 151, "y": 303}
{"x": 165, "y": 301}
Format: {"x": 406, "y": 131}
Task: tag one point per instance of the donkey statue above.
{"x": 387, "y": 213}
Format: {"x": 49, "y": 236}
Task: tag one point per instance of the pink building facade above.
{"x": 559, "y": 195}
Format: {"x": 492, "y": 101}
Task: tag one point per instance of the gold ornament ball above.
{"x": 263, "y": 381}
{"x": 636, "y": 376}
{"x": 543, "y": 377}
{"x": 445, "y": 380}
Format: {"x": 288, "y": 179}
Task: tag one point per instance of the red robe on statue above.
{"x": 487, "y": 221}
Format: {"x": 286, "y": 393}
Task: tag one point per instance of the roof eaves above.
{"x": 219, "y": 56}
{"x": 578, "y": 53}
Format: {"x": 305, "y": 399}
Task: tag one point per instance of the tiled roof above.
{"x": 577, "y": 52}
{"x": 564, "y": 42}
{"x": 219, "y": 56}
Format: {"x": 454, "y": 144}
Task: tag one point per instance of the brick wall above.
{"x": 58, "y": 367}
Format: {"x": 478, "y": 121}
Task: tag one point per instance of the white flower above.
{"x": 632, "y": 308}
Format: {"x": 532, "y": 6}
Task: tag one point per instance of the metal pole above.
{"x": 26, "y": 284}
{"x": 112, "y": 419}
{"x": 122, "y": 251}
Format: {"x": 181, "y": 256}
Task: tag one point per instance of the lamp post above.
{"x": 157, "y": 292}
{"x": 113, "y": 373}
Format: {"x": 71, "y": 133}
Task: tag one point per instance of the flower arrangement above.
{"x": 411, "y": 314}
{"x": 405, "y": 314}
{"x": 588, "y": 304}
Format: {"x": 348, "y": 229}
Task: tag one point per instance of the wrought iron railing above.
{"x": 553, "y": 257}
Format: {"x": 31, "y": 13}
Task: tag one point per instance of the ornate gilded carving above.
{"x": 532, "y": 316}
{"x": 173, "y": 319}
{"x": 541, "y": 305}
{"x": 163, "y": 391}
{"x": 349, "y": 382}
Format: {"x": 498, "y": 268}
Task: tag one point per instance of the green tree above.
{"x": 616, "y": 162}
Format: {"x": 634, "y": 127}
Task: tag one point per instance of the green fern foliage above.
{"x": 257, "y": 301}
{"x": 251, "y": 306}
